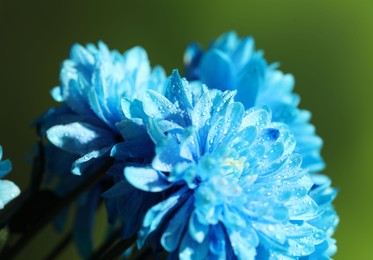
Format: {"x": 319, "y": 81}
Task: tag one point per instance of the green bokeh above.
{"x": 327, "y": 45}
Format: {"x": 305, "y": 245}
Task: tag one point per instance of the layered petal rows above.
{"x": 232, "y": 63}
{"x": 93, "y": 81}
{"x": 221, "y": 164}
{"x": 232, "y": 186}
{"x": 87, "y": 125}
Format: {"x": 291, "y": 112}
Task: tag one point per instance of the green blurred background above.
{"x": 327, "y": 45}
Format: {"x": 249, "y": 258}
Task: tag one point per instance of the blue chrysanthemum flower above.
{"x": 93, "y": 81}
{"x": 232, "y": 63}
{"x": 90, "y": 122}
{"x": 8, "y": 190}
{"x": 231, "y": 185}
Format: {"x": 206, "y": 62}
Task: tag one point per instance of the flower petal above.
{"x": 216, "y": 70}
{"x": 79, "y": 137}
{"x": 176, "y": 227}
{"x": 8, "y": 191}
{"x": 81, "y": 164}
{"x": 146, "y": 179}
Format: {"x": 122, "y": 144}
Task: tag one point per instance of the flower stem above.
{"x": 53, "y": 212}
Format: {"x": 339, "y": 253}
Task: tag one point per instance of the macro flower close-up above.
{"x": 186, "y": 130}
{"x": 85, "y": 127}
{"x": 233, "y": 186}
{"x": 93, "y": 81}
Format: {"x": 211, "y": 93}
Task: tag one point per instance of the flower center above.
{"x": 234, "y": 166}
{"x": 224, "y": 162}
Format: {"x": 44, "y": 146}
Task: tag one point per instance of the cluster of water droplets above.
{"x": 234, "y": 163}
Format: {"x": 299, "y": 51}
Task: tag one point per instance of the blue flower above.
{"x": 93, "y": 81}
{"x": 230, "y": 184}
{"x": 232, "y": 63}
{"x": 90, "y": 122}
{"x": 8, "y": 190}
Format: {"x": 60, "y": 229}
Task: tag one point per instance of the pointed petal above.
{"x": 179, "y": 90}
{"x": 157, "y": 105}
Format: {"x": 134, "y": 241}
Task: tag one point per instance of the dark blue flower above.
{"x": 8, "y": 190}
{"x": 232, "y": 63}
{"x": 62, "y": 182}
{"x": 230, "y": 184}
